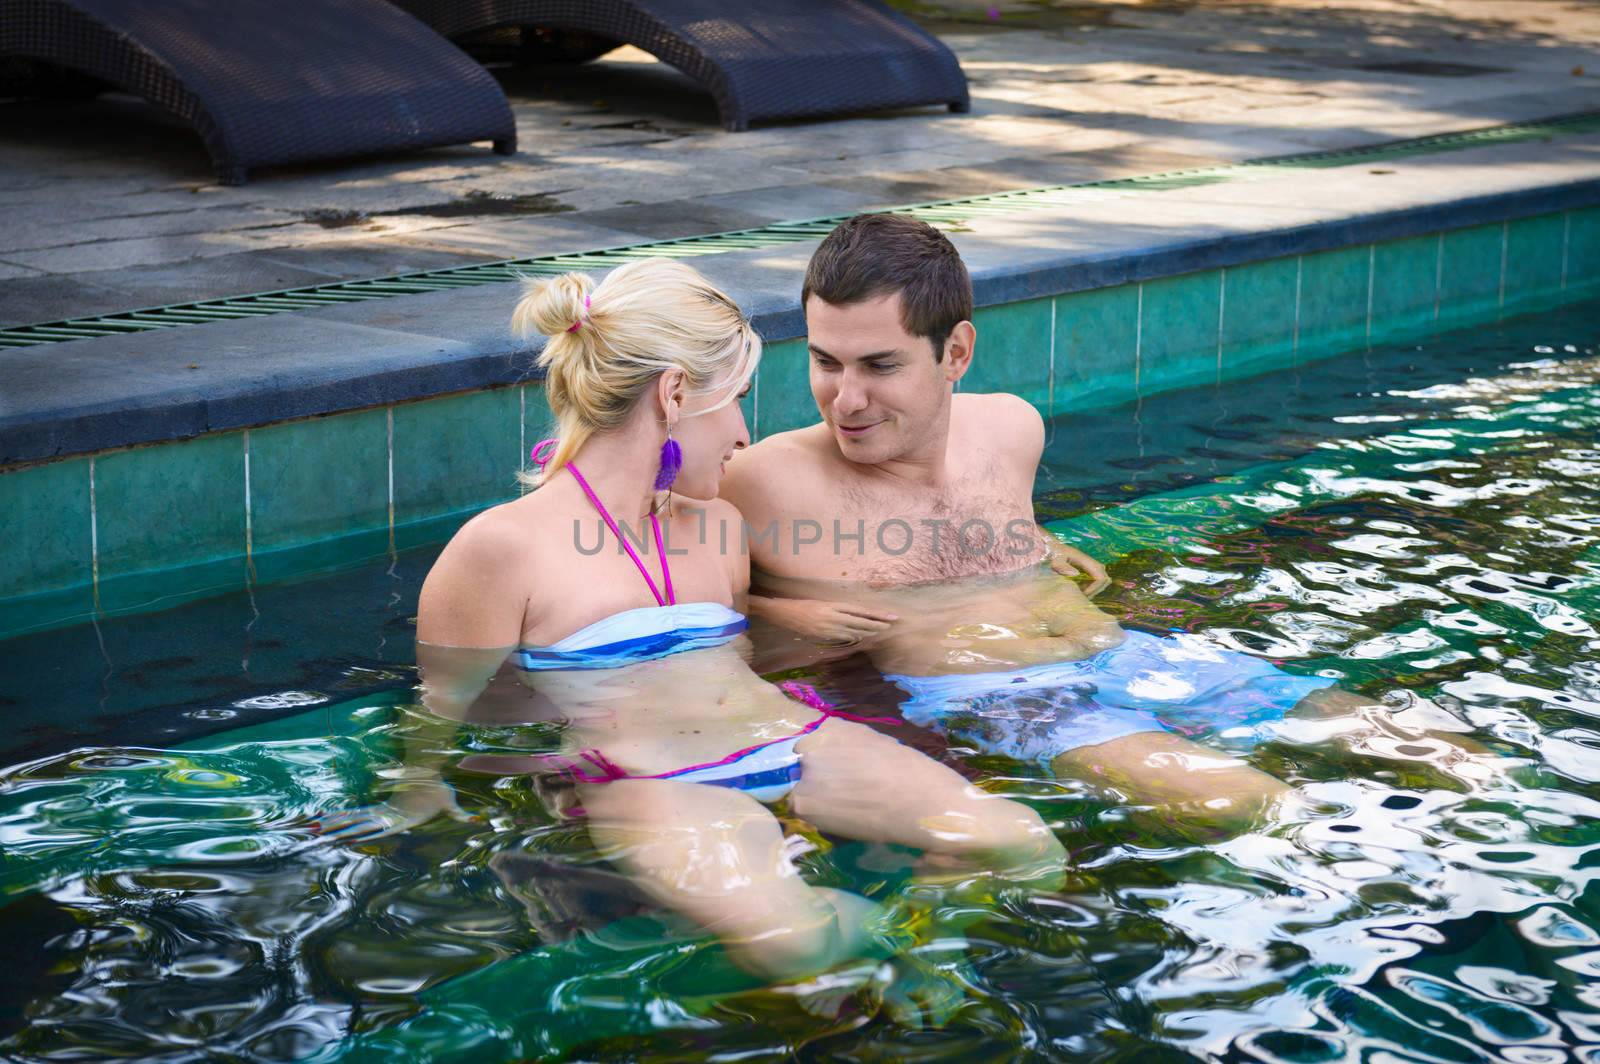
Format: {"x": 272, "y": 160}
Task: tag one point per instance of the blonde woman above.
{"x": 617, "y": 589}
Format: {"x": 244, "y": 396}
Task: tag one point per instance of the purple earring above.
{"x": 671, "y": 462}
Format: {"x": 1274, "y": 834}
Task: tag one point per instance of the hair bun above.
{"x": 552, "y": 307}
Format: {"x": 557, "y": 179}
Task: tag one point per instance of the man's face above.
{"x": 877, "y": 386}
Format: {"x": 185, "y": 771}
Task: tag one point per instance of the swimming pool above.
{"x": 1420, "y": 520}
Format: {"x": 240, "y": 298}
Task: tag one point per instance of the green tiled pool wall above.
{"x": 149, "y": 527}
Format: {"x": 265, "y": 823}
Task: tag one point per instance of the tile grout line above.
{"x": 1299, "y": 270}
{"x": 1372, "y": 284}
{"x": 1222, "y": 311}
{"x": 1138, "y": 335}
{"x": 1050, "y": 379}
{"x": 389, "y": 449}
{"x": 1566, "y": 242}
{"x": 249, "y": 519}
{"x": 1505, "y": 240}
{"x": 1438, "y": 273}
{"x": 94, "y": 539}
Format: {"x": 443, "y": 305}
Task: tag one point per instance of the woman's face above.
{"x": 709, "y": 434}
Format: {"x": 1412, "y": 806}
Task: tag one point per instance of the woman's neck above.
{"x": 621, "y": 469}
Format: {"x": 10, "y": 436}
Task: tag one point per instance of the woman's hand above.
{"x": 824, "y": 623}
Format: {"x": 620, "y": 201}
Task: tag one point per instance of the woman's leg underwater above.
{"x": 859, "y": 783}
{"x": 718, "y": 857}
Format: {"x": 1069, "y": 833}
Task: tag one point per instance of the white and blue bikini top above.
{"x": 636, "y": 635}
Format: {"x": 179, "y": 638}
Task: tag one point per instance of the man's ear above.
{"x": 958, "y": 349}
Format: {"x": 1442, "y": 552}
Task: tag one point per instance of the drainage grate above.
{"x": 946, "y": 213}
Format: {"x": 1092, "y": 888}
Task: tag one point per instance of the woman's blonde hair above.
{"x": 609, "y": 342}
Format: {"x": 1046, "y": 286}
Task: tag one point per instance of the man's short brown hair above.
{"x": 874, "y": 255}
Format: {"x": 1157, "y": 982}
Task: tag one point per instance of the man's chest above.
{"x": 872, "y": 533}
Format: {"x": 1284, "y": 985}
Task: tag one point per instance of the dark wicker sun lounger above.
{"x": 761, "y": 59}
{"x": 266, "y": 82}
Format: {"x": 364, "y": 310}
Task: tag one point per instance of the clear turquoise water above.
{"x": 1420, "y": 522}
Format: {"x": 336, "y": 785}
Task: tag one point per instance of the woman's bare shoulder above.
{"x": 476, "y": 593}
{"x": 500, "y": 534}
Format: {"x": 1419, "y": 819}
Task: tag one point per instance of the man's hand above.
{"x": 824, "y": 623}
{"x": 1071, "y": 562}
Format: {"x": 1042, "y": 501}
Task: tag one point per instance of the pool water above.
{"x": 1422, "y": 523}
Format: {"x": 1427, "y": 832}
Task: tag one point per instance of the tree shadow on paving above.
{"x": 44, "y": 142}
{"x": 1367, "y": 27}
{"x": 1400, "y": 44}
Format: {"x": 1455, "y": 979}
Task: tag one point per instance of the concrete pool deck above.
{"x": 108, "y": 208}
{"x": 88, "y": 395}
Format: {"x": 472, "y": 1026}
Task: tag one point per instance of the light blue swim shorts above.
{"x": 1177, "y": 683}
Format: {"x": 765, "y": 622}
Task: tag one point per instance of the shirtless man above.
{"x": 903, "y": 525}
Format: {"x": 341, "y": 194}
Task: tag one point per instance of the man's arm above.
{"x": 1026, "y": 449}
{"x": 1071, "y": 562}
{"x": 746, "y": 487}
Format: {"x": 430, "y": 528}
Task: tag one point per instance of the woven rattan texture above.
{"x": 267, "y": 82}
{"x": 760, "y": 59}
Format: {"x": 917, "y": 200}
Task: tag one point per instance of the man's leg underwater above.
{"x": 1190, "y": 782}
{"x": 1419, "y": 732}
{"x": 1123, "y": 746}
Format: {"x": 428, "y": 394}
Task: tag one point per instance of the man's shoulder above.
{"x": 763, "y": 472}
{"x": 712, "y": 512}
{"x": 796, "y": 451}
{"x": 998, "y": 417}
{"x": 988, "y": 403}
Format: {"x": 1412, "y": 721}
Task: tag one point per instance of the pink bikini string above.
{"x": 655, "y": 526}
{"x": 803, "y": 693}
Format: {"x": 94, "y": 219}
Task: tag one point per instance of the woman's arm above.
{"x": 467, "y": 599}
{"x": 472, "y": 613}
{"x": 468, "y": 621}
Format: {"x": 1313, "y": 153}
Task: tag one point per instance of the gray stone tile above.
{"x": 519, "y": 238}
{"x": 10, "y": 271}
{"x": 666, "y": 221}
{"x": 789, "y": 202}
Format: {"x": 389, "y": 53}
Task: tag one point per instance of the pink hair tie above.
{"x": 575, "y": 326}
{"x": 542, "y": 452}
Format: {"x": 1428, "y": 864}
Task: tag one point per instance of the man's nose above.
{"x": 852, "y": 394}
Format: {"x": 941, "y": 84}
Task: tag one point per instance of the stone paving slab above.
{"x": 109, "y": 205}
{"x": 91, "y": 394}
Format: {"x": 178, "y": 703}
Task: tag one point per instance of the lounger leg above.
{"x": 506, "y": 146}
{"x": 231, "y": 175}
{"x": 960, "y": 107}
